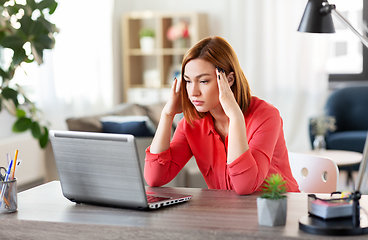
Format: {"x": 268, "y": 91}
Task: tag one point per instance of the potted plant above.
{"x": 22, "y": 24}
{"x": 272, "y": 204}
{"x": 320, "y": 125}
{"x": 147, "y": 39}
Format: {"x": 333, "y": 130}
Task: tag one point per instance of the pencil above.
{"x": 5, "y": 199}
{"x": 15, "y": 163}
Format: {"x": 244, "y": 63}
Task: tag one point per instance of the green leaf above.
{"x": 9, "y": 93}
{"x": 44, "y": 139}
{"x": 2, "y": 34}
{"x": 4, "y": 74}
{"x": 32, "y": 4}
{"x": 27, "y": 60}
{"x": 53, "y": 8}
{"x": 13, "y": 9}
{"x": 50, "y": 4}
{"x": 13, "y": 42}
{"x": 51, "y": 28}
{"x": 274, "y": 187}
{"x": 19, "y": 56}
{"x": 22, "y": 124}
{"x": 36, "y": 130}
{"x": 44, "y": 41}
{"x": 37, "y": 28}
{"x": 11, "y": 71}
{"x": 26, "y": 23}
{"x": 37, "y": 52}
{"x": 21, "y": 113}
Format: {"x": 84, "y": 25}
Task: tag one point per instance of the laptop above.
{"x": 103, "y": 169}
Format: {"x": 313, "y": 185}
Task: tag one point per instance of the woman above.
{"x": 237, "y": 139}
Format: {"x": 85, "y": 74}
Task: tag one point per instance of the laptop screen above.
{"x": 99, "y": 168}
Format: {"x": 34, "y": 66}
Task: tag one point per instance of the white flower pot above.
{"x": 147, "y": 44}
{"x": 271, "y": 212}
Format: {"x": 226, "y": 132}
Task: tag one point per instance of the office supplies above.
{"x": 6, "y": 188}
{"x": 8, "y": 201}
{"x": 329, "y": 208}
{"x": 343, "y": 226}
{"x": 8, "y": 158}
{"x": 14, "y": 163}
{"x": 102, "y": 169}
{"x": 2, "y": 173}
{"x": 8, "y": 171}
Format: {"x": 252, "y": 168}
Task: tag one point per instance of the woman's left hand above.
{"x": 237, "y": 135}
{"x": 226, "y": 95}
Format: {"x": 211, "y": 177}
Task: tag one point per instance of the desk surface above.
{"x": 210, "y": 214}
{"x": 340, "y": 157}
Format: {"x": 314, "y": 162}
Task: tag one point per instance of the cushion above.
{"x": 139, "y": 126}
{"x": 84, "y": 124}
{"x": 349, "y": 106}
{"x": 154, "y": 111}
{"x": 93, "y": 123}
{"x": 349, "y": 140}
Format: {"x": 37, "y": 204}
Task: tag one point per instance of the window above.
{"x": 348, "y": 57}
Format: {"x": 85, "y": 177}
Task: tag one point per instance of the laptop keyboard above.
{"x": 151, "y": 198}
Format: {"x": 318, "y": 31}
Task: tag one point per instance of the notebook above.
{"x": 103, "y": 169}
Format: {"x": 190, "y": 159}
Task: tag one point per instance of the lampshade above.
{"x": 315, "y": 20}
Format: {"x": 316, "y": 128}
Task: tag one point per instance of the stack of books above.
{"x": 331, "y": 208}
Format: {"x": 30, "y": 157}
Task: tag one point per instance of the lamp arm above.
{"x": 363, "y": 39}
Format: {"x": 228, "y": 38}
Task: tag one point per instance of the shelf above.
{"x": 155, "y": 69}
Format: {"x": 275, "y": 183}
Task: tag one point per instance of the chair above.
{"x": 349, "y": 106}
{"x": 314, "y": 174}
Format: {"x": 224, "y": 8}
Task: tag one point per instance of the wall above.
{"x": 6, "y": 122}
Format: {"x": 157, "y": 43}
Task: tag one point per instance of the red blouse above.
{"x": 267, "y": 153}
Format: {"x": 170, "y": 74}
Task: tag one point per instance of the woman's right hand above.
{"x": 173, "y": 105}
{"x": 161, "y": 140}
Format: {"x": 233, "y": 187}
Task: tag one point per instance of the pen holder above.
{"x": 8, "y": 196}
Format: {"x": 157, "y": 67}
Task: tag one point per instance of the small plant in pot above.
{"x": 272, "y": 204}
{"x": 147, "y": 39}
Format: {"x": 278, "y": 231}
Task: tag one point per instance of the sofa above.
{"x": 141, "y": 121}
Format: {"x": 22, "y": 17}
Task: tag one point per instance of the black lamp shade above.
{"x": 315, "y": 21}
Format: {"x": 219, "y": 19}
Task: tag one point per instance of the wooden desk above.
{"x": 211, "y": 214}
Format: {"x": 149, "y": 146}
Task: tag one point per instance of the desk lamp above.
{"x": 317, "y": 19}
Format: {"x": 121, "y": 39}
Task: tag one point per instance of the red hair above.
{"x": 219, "y": 52}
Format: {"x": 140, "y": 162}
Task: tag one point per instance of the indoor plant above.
{"x": 24, "y": 33}
{"x": 272, "y": 204}
{"x": 320, "y": 125}
{"x": 147, "y": 39}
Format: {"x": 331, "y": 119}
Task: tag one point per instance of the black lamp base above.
{"x": 338, "y": 226}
